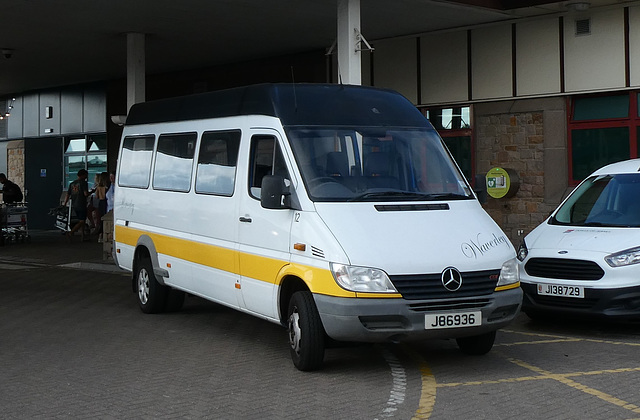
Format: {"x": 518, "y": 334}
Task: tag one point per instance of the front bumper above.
{"x": 621, "y": 302}
{"x": 382, "y": 320}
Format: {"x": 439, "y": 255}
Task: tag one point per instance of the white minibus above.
{"x": 333, "y": 210}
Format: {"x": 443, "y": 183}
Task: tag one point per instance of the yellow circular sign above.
{"x": 502, "y": 182}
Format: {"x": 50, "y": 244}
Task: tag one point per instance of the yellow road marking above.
{"x": 563, "y": 378}
{"x": 428, "y": 393}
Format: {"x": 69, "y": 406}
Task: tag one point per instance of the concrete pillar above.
{"x": 349, "y": 65}
{"x": 135, "y": 69}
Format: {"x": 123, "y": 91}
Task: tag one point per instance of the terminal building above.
{"x": 543, "y": 91}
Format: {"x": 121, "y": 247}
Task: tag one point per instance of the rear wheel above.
{"x": 151, "y": 294}
{"x": 477, "y": 345}
{"x": 306, "y": 334}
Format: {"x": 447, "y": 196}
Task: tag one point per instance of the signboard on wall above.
{"x": 502, "y": 182}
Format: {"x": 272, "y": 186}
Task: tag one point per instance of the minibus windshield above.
{"x": 376, "y": 164}
{"x": 605, "y": 201}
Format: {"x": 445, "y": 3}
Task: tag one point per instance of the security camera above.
{"x": 7, "y": 52}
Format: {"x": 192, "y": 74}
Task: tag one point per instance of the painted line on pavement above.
{"x": 399, "y": 389}
{"x": 564, "y": 379}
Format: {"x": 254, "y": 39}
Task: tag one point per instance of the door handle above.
{"x": 245, "y": 219}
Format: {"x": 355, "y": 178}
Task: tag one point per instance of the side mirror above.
{"x": 275, "y": 193}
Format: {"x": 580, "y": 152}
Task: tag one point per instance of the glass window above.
{"x": 174, "y": 162}
{"x": 593, "y": 148}
{"x": 75, "y": 145}
{"x": 460, "y": 148}
{"x": 135, "y": 165}
{"x": 96, "y": 163}
{"x": 72, "y": 165}
{"x": 97, "y": 143}
{"x": 217, "y": 158}
{"x": 609, "y": 200}
{"x": 369, "y": 163}
{"x": 266, "y": 159}
{"x": 601, "y": 107}
{"x": 450, "y": 118}
{"x": 454, "y": 126}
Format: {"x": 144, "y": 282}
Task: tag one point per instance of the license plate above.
{"x": 561, "y": 290}
{"x": 452, "y": 320}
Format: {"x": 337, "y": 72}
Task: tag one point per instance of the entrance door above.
{"x": 263, "y": 233}
{"x": 42, "y": 180}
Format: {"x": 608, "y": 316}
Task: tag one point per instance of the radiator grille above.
{"x": 429, "y": 286}
{"x": 561, "y": 268}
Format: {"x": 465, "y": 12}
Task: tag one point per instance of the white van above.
{"x": 335, "y": 211}
{"x": 583, "y": 260}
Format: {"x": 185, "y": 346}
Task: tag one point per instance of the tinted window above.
{"x": 174, "y": 162}
{"x": 135, "y": 162}
{"x": 266, "y": 159}
{"x": 217, "y": 160}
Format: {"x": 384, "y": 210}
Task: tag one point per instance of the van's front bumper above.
{"x": 620, "y": 302}
{"x": 398, "y": 319}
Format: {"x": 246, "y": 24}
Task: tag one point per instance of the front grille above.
{"x": 561, "y": 268}
{"x": 429, "y": 286}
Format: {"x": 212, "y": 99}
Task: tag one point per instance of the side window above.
{"x": 266, "y": 159}
{"x": 217, "y": 158}
{"x": 135, "y": 162}
{"x": 174, "y": 162}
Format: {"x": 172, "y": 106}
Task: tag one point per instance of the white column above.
{"x": 349, "y": 65}
{"x": 135, "y": 69}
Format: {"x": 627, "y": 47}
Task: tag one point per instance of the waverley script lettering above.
{"x": 478, "y": 247}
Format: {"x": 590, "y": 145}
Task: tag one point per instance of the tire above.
{"x": 174, "y": 301}
{"x": 306, "y": 334}
{"x": 151, "y": 295}
{"x": 477, "y": 345}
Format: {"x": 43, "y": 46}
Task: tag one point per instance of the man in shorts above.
{"x": 78, "y": 192}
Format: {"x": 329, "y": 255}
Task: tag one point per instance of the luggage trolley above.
{"x": 63, "y": 217}
{"x": 13, "y": 221}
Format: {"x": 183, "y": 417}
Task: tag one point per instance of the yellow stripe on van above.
{"x": 261, "y": 268}
{"x": 508, "y": 287}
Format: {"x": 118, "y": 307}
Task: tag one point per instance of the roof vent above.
{"x": 583, "y": 27}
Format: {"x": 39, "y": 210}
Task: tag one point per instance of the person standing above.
{"x": 11, "y": 193}
{"x": 78, "y": 192}
{"x": 111, "y": 190}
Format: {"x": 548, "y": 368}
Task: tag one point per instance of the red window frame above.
{"x": 631, "y": 122}
{"x": 459, "y": 132}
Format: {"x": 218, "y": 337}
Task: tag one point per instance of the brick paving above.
{"x": 73, "y": 344}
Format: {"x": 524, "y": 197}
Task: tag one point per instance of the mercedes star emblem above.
{"x": 451, "y": 279}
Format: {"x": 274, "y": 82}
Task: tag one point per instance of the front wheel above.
{"x": 306, "y": 334}
{"x": 477, "y": 345}
{"x": 151, "y": 294}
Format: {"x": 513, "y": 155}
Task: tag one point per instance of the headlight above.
{"x": 622, "y": 258}
{"x": 522, "y": 251}
{"x": 509, "y": 273}
{"x": 362, "y": 279}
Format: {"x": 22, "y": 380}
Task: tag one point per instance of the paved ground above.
{"x": 73, "y": 344}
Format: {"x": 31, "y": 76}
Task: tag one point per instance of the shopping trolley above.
{"x": 13, "y": 223}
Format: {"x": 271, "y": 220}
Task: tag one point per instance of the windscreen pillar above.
{"x": 135, "y": 69}
{"x": 349, "y": 65}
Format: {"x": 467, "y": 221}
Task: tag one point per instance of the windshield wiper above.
{"x": 407, "y": 195}
{"x": 448, "y": 196}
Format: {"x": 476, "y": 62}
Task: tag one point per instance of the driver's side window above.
{"x": 266, "y": 159}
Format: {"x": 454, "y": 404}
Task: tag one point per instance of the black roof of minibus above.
{"x": 304, "y": 104}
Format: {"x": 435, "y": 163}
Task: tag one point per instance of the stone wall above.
{"x": 516, "y": 140}
{"x": 15, "y": 163}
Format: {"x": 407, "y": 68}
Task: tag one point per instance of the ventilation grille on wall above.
{"x": 583, "y": 26}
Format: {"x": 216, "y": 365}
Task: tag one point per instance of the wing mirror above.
{"x": 275, "y": 192}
